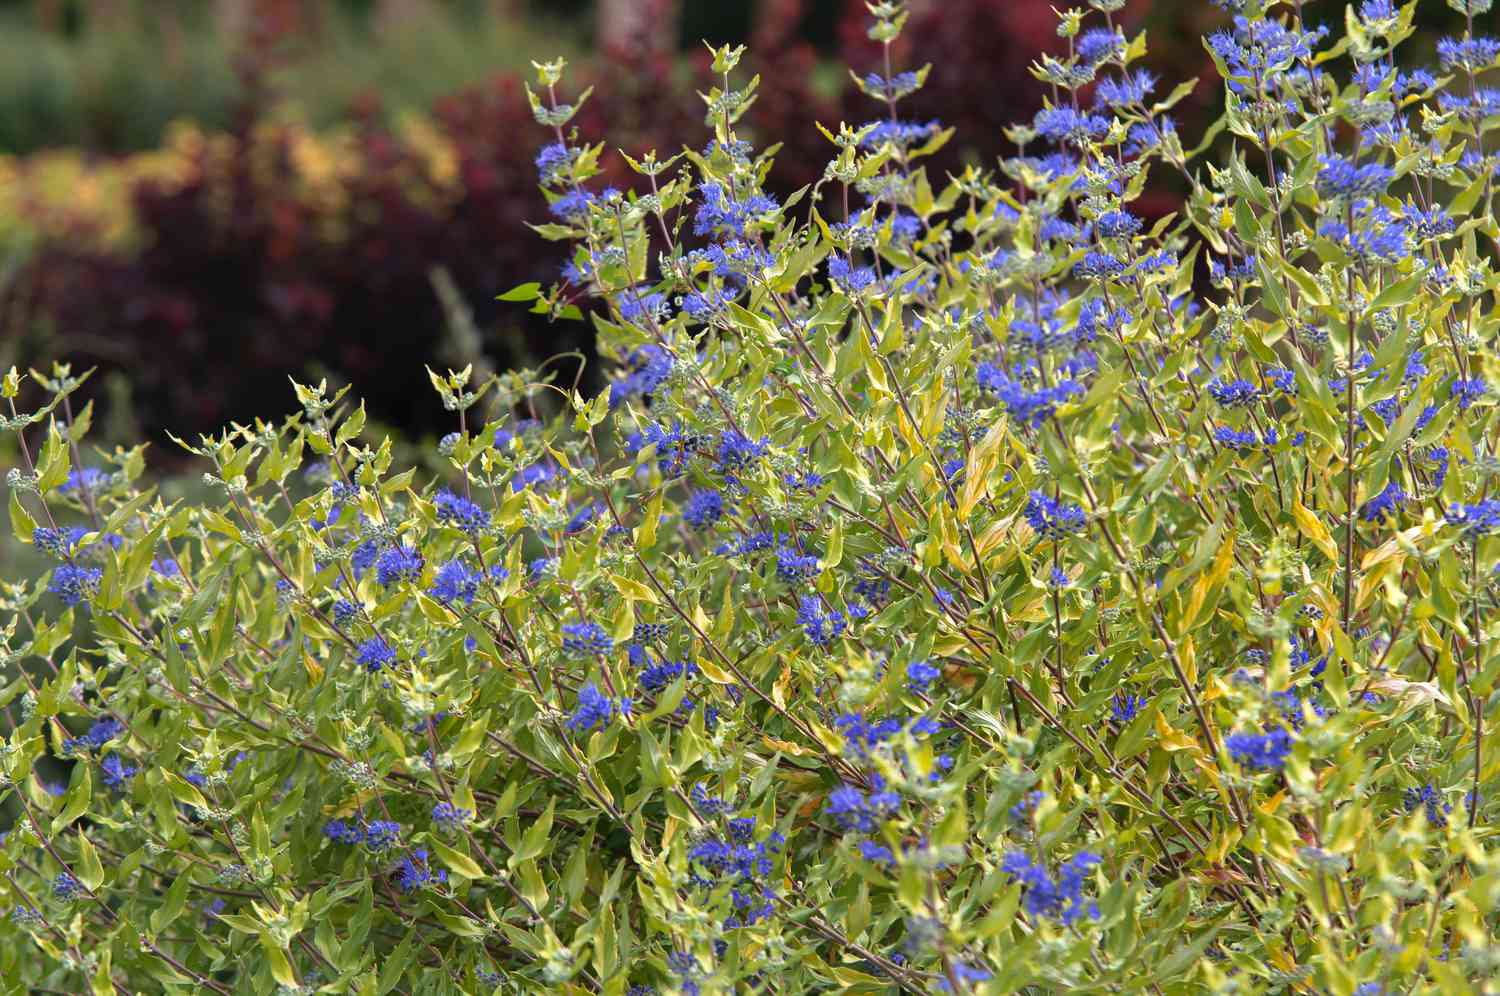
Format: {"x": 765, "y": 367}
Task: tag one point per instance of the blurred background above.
{"x": 200, "y": 197}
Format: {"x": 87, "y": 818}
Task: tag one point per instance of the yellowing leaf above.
{"x": 1312, "y": 527}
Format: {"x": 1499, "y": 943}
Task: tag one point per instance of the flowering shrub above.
{"x": 950, "y": 593}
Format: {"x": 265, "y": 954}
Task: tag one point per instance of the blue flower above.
{"x": 1117, "y": 224}
{"x": 821, "y": 628}
{"x": 1475, "y": 520}
{"x": 1098, "y": 266}
{"x": 718, "y": 212}
{"x": 413, "y": 872}
{"x": 595, "y": 710}
{"x": 1233, "y": 393}
{"x": 66, "y": 887}
{"x": 673, "y": 447}
{"x": 343, "y": 832}
{"x": 74, "y": 583}
{"x": 572, "y": 206}
{"x": 1130, "y": 89}
{"x": 554, "y": 160}
{"x": 59, "y": 542}
{"x": 793, "y": 567}
{"x": 116, "y": 771}
{"x": 966, "y": 975}
{"x": 857, "y": 810}
{"x": 455, "y": 581}
{"x": 1234, "y": 439}
{"x": 1431, "y": 800}
{"x": 399, "y": 563}
{"x": 648, "y": 366}
{"x": 449, "y": 816}
{"x": 345, "y": 611}
{"x": 898, "y": 133}
{"x": 920, "y": 675}
{"x": 703, "y": 509}
{"x": 586, "y": 638}
{"x": 1098, "y": 44}
{"x": 1051, "y": 519}
{"x": 850, "y": 279}
{"x": 1022, "y": 403}
{"x": 1126, "y": 707}
{"x": 582, "y": 518}
{"x": 89, "y": 479}
{"x": 1060, "y": 898}
{"x": 1476, "y": 53}
{"x": 1065, "y": 124}
{"x": 381, "y": 834}
{"x": 1377, "y": 234}
{"x": 1022, "y": 811}
{"x": 460, "y": 513}
{"x": 101, "y": 732}
{"x": 1260, "y": 751}
{"x": 1386, "y": 503}
{"x": 1468, "y": 391}
{"x": 375, "y": 654}
{"x": 1342, "y": 177}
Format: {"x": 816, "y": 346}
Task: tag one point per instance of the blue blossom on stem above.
{"x": 1052, "y": 519}
{"x": 414, "y": 872}
{"x": 1478, "y": 519}
{"x": 794, "y": 567}
{"x": 703, "y": 509}
{"x": 460, "y": 513}
{"x": 861, "y": 811}
{"x": 1339, "y": 176}
{"x": 455, "y": 582}
{"x": 1061, "y": 898}
{"x": 399, "y": 563}
{"x": 449, "y": 816}
{"x": 74, "y": 583}
{"x": 66, "y": 887}
{"x": 375, "y": 654}
{"x": 381, "y": 834}
{"x": 1431, "y": 801}
{"x": 1260, "y": 751}
{"x": 116, "y": 772}
{"x": 821, "y": 628}
{"x": 1468, "y": 391}
{"x": 1388, "y": 502}
{"x": 1126, "y": 707}
{"x": 586, "y": 638}
{"x": 595, "y": 710}
{"x": 920, "y": 675}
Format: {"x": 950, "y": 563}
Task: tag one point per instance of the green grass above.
{"x": 116, "y": 90}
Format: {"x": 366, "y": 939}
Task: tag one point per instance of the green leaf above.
{"x": 88, "y": 869}
{"x": 522, "y": 292}
{"x": 458, "y": 861}
{"x": 78, "y": 801}
{"x": 537, "y": 838}
{"x": 21, "y": 522}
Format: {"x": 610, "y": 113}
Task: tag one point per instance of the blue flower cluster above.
{"x": 743, "y": 863}
{"x": 1260, "y": 751}
{"x": 460, "y": 513}
{"x": 595, "y": 710}
{"x": 1052, "y": 519}
{"x": 586, "y": 639}
{"x": 376, "y": 835}
{"x": 1060, "y": 898}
